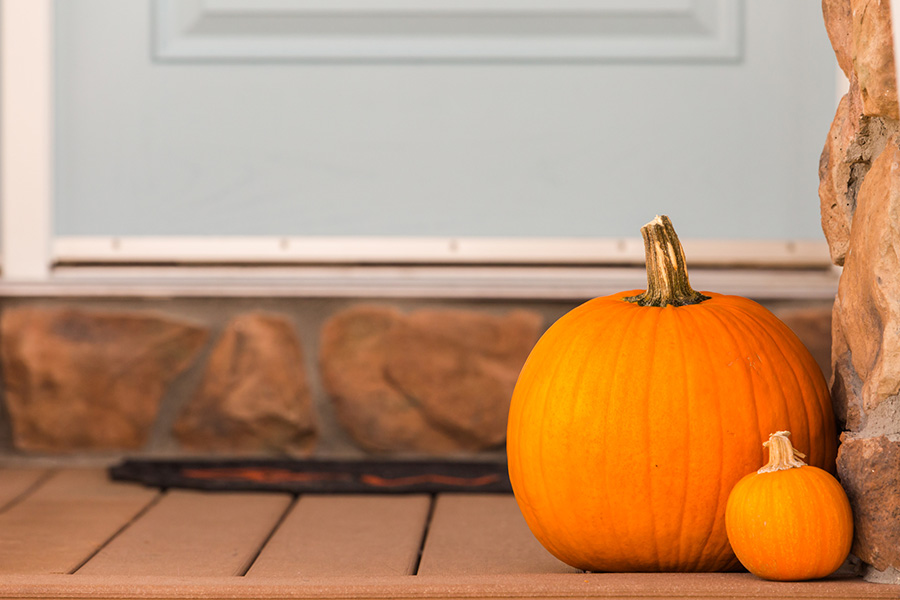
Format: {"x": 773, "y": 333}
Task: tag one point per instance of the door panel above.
{"x": 502, "y": 118}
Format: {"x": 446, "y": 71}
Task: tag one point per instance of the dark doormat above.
{"x": 317, "y": 476}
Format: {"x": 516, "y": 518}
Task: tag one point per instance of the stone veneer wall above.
{"x": 266, "y": 377}
{"x": 860, "y": 203}
{"x": 290, "y": 376}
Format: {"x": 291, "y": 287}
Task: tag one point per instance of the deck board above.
{"x": 192, "y": 533}
{"x": 477, "y": 534}
{"x": 643, "y": 586}
{"x": 333, "y": 536}
{"x": 15, "y": 482}
{"x": 477, "y": 546}
{"x": 65, "y": 520}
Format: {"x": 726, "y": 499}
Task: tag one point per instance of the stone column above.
{"x": 859, "y": 192}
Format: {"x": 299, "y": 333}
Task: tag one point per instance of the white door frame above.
{"x": 26, "y": 138}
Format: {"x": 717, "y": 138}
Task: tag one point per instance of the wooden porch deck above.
{"x": 72, "y": 533}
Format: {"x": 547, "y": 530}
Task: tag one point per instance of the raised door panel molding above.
{"x": 470, "y": 30}
{"x": 445, "y": 6}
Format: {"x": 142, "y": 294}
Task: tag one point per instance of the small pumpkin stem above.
{"x": 667, "y": 276}
{"x": 782, "y": 455}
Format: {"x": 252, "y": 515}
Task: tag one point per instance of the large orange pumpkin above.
{"x": 636, "y": 413}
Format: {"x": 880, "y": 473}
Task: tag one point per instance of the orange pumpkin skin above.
{"x": 629, "y": 425}
{"x": 790, "y": 525}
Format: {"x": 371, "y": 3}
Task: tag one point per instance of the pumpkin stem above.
{"x": 782, "y": 455}
{"x": 667, "y": 276}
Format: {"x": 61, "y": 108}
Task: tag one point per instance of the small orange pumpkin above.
{"x": 620, "y": 402}
{"x": 789, "y": 521}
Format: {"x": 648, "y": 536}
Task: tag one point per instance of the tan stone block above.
{"x": 873, "y": 57}
{"x": 255, "y": 395}
{"x": 846, "y": 386}
{"x": 839, "y": 25}
{"x": 867, "y": 314}
{"x": 462, "y": 367}
{"x": 377, "y": 416}
{"x": 869, "y": 470}
{"x": 853, "y": 141}
{"x": 89, "y": 380}
{"x": 837, "y": 198}
{"x": 432, "y": 381}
